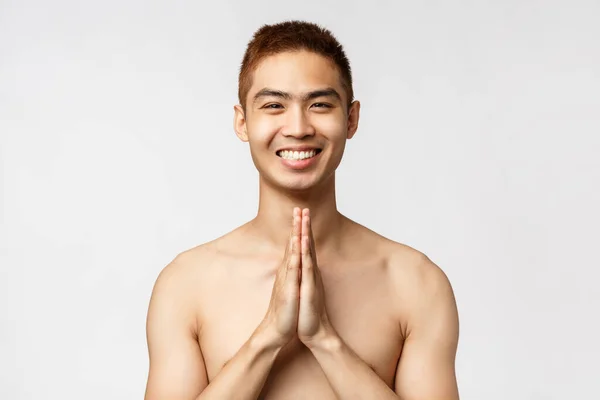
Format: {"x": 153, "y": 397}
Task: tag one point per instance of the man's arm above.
{"x": 177, "y": 369}
{"x": 426, "y": 368}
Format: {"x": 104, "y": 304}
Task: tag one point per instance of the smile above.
{"x": 299, "y": 160}
{"x": 298, "y": 155}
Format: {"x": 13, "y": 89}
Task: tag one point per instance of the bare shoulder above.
{"x": 424, "y": 291}
{"x": 186, "y": 268}
{"x": 192, "y": 270}
{"x": 415, "y": 271}
{"x": 411, "y": 271}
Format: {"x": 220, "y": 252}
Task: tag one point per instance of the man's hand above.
{"x": 281, "y": 320}
{"x": 313, "y": 323}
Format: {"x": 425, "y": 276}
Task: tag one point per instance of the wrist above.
{"x": 326, "y": 339}
{"x": 266, "y": 339}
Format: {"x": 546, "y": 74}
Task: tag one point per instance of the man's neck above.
{"x": 273, "y": 222}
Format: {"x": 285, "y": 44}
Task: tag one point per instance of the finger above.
{"x": 313, "y": 253}
{"x": 304, "y": 213}
{"x": 293, "y": 272}
{"x": 288, "y": 247}
{"x": 294, "y": 233}
{"x": 294, "y": 257}
{"x": 307, "y": 259}
{"x": 313, "y": 250}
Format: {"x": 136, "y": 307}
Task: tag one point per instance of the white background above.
{"x": 478, "y": 145}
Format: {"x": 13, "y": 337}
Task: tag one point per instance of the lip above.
{"x": 300, "y": 164}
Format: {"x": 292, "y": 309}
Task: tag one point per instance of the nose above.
{"x": 297, "y": 124}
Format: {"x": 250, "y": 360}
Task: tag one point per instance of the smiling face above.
{"x": 297, "y": 119}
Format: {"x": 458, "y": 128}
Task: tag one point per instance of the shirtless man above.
{"x": 301, "y": 302}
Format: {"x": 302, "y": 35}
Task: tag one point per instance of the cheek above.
{"x": 333, "y": 122}
{"x": 332, "y": 128}
{"x": 263, "y": 129}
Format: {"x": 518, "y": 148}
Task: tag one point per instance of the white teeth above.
{"x": 297, "y": 155}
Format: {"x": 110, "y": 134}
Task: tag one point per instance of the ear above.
{"x": 353, "y": 115}
{"x": 239, "y": 123}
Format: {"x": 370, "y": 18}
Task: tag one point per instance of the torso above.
{"x": 363, "y": 302}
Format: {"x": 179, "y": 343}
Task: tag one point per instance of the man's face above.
{"x": 296, "y": 102}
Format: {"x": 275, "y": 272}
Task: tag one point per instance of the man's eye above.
{"x": 321, "y": 105}
{"x": 272, "y": 106}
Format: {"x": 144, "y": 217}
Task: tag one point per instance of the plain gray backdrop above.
{"x": 478, "y": 144}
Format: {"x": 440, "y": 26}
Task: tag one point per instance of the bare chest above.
{"x": 360, "y": 304}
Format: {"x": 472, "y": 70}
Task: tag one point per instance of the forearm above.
{"x": 245, "y": 374}
{"x": 349, "y": 376}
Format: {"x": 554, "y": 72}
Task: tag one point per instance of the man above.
{"x": 301, "y": 302}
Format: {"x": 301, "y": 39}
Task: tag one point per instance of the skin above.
{"x": 301, "y": 301}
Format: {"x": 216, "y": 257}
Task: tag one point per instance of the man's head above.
{"x": 295, "y": 91}
{"x": 292, "y": 36}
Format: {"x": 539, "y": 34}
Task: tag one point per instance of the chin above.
{"x": 292, "y": 185}
{"x": 297, "y": 186}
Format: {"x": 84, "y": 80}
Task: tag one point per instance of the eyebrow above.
{"x": 327, "y": 92}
